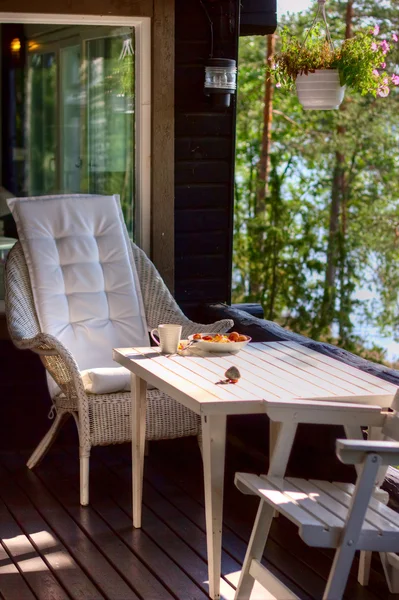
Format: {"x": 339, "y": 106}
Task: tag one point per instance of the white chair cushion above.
{"x": 83, "y": 275}
{"x": 108, "y": 380}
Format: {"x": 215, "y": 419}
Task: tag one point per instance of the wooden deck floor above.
{"x": 52, "y": 549}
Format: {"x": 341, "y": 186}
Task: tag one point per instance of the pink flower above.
{"x": 383, "y": 65}
{"x": 278, "y": 85}
{"x": 385, "y": 81}
{"x": 376, "y": 73}
{"x": 384, "y": 46}
{"x": 395, "y": 79}
{"x": 395, "y": 37}
{"x": 374, "y": 47}
{"x": 383, "y": 91}
{"x": 376, "y": 30}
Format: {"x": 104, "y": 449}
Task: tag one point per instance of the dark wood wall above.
{"x": 204, "y": 155}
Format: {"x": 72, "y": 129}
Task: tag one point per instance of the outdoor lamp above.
{"x": 220, "y": 80}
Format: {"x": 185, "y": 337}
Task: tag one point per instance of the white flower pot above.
{"x": 320, "y": 90}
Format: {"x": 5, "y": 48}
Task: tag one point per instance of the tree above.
{"x": 337, "y": 225}
{"x": 331, "y": 213}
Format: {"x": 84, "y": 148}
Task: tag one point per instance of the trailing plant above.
{"x": 361, "y": 60}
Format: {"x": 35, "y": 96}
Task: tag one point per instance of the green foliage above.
{"x": 120, "y": 80}
{"x": 297, "y": 58}
{"x": 358, "y": 59}
{"x": 291, "y": 258}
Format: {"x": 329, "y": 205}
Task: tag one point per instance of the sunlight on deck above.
{"x": 227, "y": 592}
{"x": 20, "y": 544}
{"x": 36, "y": 564}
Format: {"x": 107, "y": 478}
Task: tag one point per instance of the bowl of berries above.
{"x": 219, "y": 342}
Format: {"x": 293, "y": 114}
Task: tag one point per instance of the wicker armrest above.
{"x": 190, "y": 327}
{"x": 160, "y": 306}
{"x": 58, "y": 361}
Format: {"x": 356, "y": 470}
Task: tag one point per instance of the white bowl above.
{"x": 227, "y": 347}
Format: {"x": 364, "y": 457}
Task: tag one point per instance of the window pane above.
{"x": 109, "y": 136}
{"x": 71, "y": 99}
{"x": 41, "y": 123}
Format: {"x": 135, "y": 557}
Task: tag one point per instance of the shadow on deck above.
{"x": 53, "y": 549}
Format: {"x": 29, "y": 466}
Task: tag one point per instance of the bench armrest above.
{"x": 353, "y": 452}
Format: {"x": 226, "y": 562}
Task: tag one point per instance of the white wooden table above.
{"x": 287, "y": 381}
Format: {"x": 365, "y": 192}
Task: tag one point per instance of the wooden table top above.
{"x": 272, "y": 373}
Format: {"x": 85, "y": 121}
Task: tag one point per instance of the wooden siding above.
{"x": 204, "y": 157}
{"x": 140, "y": 8}
{"x": 162, "y": 180}
{"x": 258, "y": 17}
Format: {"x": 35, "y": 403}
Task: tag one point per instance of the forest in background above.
{"x": 316, "y": 238}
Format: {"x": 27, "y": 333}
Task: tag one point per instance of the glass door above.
{"x": 42, "y": 123}
{"x": 71, "y": 103}
{"x": 81, "y": 117}
{"x": 108, "y": 158}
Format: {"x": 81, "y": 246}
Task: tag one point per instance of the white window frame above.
{"x": 142, "y": 27}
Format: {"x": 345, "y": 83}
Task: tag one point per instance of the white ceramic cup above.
{"x": 169, "y": 337}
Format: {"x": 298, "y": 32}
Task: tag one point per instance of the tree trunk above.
{"x": 337, "y": 213}
{"x": 263, "y": 170}
{"x": 349, "y": 20}
{"x": 264, "y": 161}
{"x": 275, "y": 218}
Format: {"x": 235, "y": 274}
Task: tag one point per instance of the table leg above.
{"x": 213, "y": 454}
{"x": 354, "y": 432}
{"x": 139, "y": 402}
{"x": 282, "y": 447}
{"x": 274, "y": 430}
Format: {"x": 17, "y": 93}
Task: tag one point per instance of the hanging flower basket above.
{"x": 321, "y": 71}
{"x": 321, "y": 90}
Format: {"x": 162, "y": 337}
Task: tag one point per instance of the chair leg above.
{"x": 363, "y": 576}
{"x": 49, "y": 438}
{"x": 199, "y": 440}
{"x": 390, "y": 563}
{"x": 84, "y": 456}
{"x": 339, "y": 572}
{"x": 256, "y": 546}
{"x": 345, "y": 552}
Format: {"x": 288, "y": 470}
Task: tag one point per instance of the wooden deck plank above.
{"x": 47, "y": 544}
{"x": 142, "y": 579}
{"x": 284, "y": 566}
{"x": 179, "y": 573}
{"x": 30, "y": 564}
{"x": 177, "y": 501}
{"x": 80, "y": 544}
{"x": 194, "y": 511}
{"x": 182, "y": 539}
{"x": 170, "y": 549}
{"x": 12, "y": 583}
{"x": 307, "y": 573}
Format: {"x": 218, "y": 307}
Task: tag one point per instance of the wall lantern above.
{"x": 220, "y": 80}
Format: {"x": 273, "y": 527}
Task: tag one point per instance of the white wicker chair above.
{"x": 101, "y": 419}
